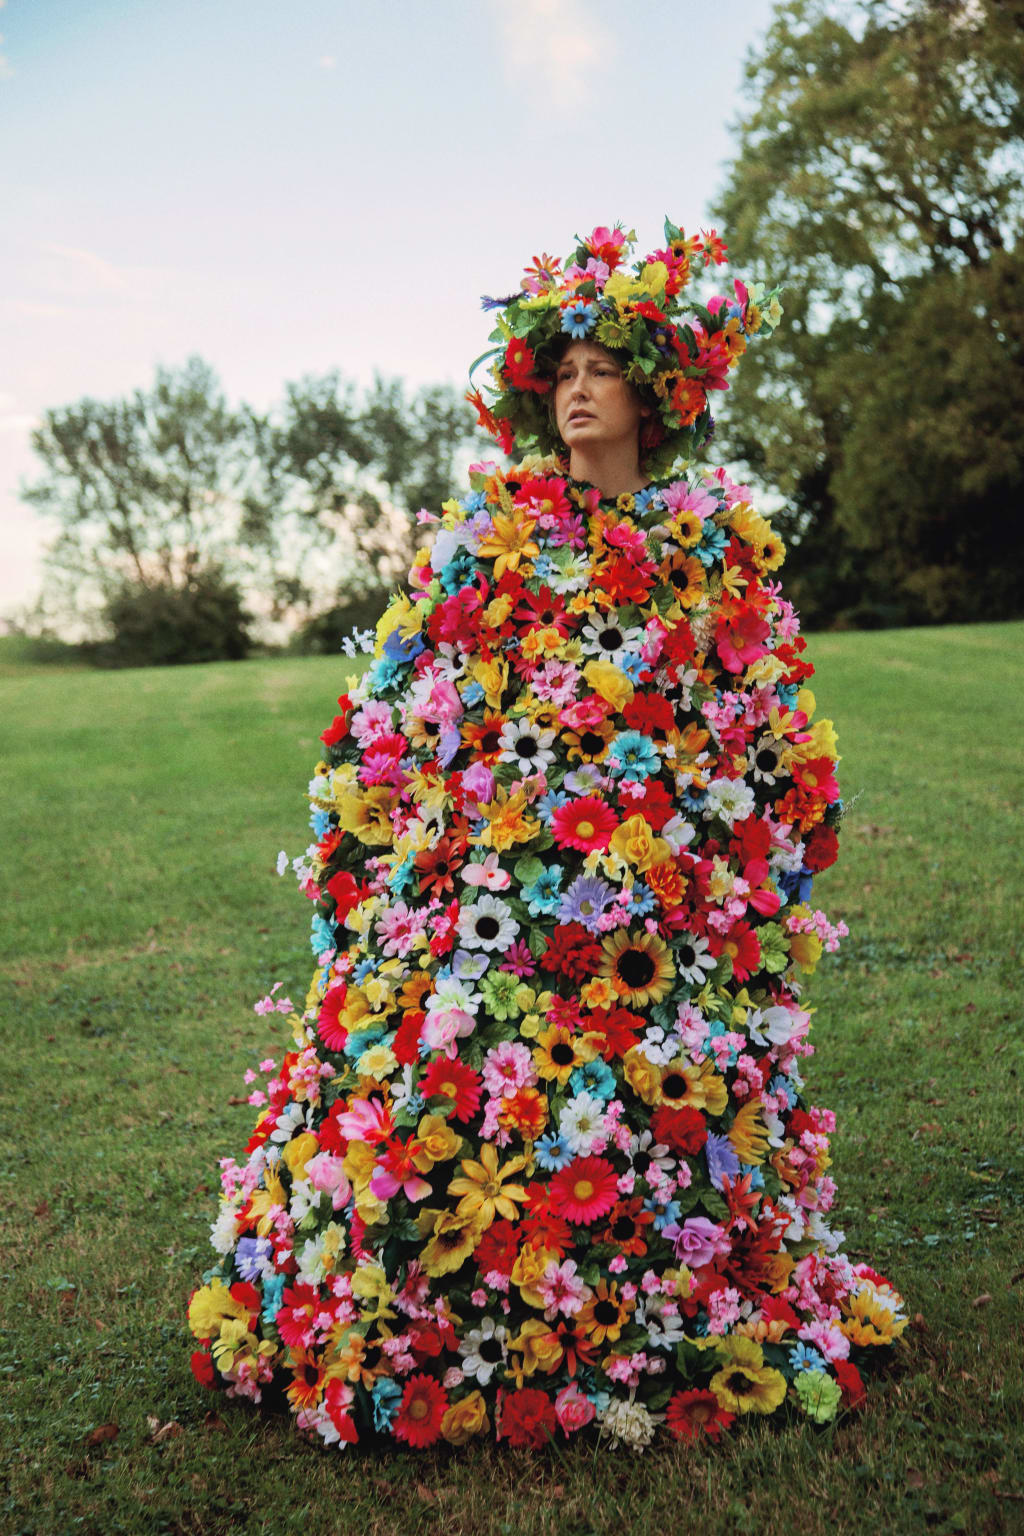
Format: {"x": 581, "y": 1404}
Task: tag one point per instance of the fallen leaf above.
{"x": 424, "y": 1493}
{"x": 982, "y": 1300}
{"x": 235, "y": 1099}
{"x": 213, "y": 1420}
{"x": 101, "y": 1434}
{"x": 915, "y": 1479}
{"x": 158, "y": 1432}
{"x": 42, "y": 1209}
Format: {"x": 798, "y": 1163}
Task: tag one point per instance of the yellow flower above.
{"x": 528, "y": 1268}
{"x": 403, "y": 615}
{"x": 605, "y": 678}
{"x": 806, "y": 950}
{"x": 370, "y": 1283}
{"x": 598, "y": 993}
{"x": 635, "y": 842}
{"x": 640, "y": 967}
{"x": 558, "y": 1052}
{"x": 493, "y": 679}
{"x": 438, "y": 1142}
{"x": 483, "y": 1189}
{"x": 539, "y": 1347}
{"x": 875, "y": 1314}
{"x": 605, "y": 1313}
{"x": 298, "y": 1152}
{"x": 742, "y": 1388}
{"x": 507, "y": 823}
{"x": 508, "y": 541}
{"x": 464, "y": 1419}
{"x": 749, "y": 1134}
{"x": 642, "y": 1076}
{"x": 455, "y": 1237}
{"x": 213, "y": 1305}
{"x": 707, "y": 1089}
{"x": 367, "y": 815}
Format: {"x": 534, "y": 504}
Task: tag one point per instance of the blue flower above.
{"x": 251, "y": 1255}
{"x": 804, "y": 1358}
{"x": 632, "y": 665}
{"x": 401, "y": 875}
{"x": 322, "y": 935}
{"x": 720, "y": 1157}
{"x": 694, "y": 798}
{"x": 543, "y": 567}
{"x": 273, "y": 1287}
{"x": 796, "y": 883}
{"x": 472, "y": 694}
{"x": 403, "y": 648}
{"x": 387, "y": 1394}
{"x": 665, "y": 1215}
{"x": 552, "y": 1153}
{"x": 362, "y": 970}
{"x": 460, "y": 567}
{"x": 548, "y": 804}
{"x": 641, "y": 900}
{"x": 712, "y": 545}
{"x": 637, "y": 756}
{"x": 593, "y": 1077}
{"x": 475, "y": 501}
{"x": 544, "y": 895}
{"x": 578, "y": 319}
{"x": 319, "y": 821}
{"x": 649, "y": 499}
{"x": 783, "y": 1085}
{"x": 385, "y": 673}
{"x": 787, "y": 693}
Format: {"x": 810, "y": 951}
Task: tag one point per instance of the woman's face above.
{"x": 594, "y": 405}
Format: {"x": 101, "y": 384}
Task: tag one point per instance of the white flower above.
{"x": 526, "y": 745}
{"x": 628, "y": 1423}
{"x": 484, "y": 1349}
{"x": 731, "y": 800}
{"x": 488, "y": 924}
{"x": 663, "y": 1331}
{"x": 772, "y": 1024}
{"x": 583, "y": 1124}
{"x": 311, "y": 1263}
{"x": 692, "y": 959}
{"x": 678, "y": 833}
{"x": 764, "y": 758}
{"x": 282, "y": 862}
{"x": 224, "y": 1232}
{"x": 658, "y": 1047}
{"x": 607, "y": 638}
{"x": 646, "y": 1155}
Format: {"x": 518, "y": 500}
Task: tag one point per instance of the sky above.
{"x": 329, "y": 185}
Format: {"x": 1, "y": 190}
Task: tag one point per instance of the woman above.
{"x": 541, "y": 1157}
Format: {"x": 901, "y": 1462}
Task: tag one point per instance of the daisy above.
{"x": 604, "y": 636}
{"x": 586, "y": 824}
{"x": 525, "y": 745}
{"x": 585, "y": 1190}
{"x": 483, "y": 1349}
{"x": 693, "y": 961}
{"x": 488, "y": 924}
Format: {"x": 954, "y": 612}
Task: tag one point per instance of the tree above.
{"x": 878, "y": 175}
{"x": 170, "y": 494}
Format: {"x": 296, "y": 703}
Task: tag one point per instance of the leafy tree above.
{"x": 200, "y": 619}
{"x": 170, "y": 494}
{"x": 878, "y": 175}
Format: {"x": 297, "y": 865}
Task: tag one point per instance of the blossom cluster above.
{"x": 541, "y": 1157}
{"x": 673, "y": 348}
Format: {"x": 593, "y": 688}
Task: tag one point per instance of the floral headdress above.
{"x": 673, "y": 349}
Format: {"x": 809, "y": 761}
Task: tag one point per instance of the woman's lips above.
{"x": 581, "y": 416}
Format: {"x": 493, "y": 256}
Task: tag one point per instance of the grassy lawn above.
{"x": 143, "y": 812}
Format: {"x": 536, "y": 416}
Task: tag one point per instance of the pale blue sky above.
{"x": 286, "y": 190}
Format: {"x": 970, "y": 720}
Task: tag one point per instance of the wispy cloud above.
{"x": 554, "y": 48}
{"x": 74, "y": 270}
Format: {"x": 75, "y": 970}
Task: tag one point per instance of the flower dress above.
{"x": 540, "y": 1156}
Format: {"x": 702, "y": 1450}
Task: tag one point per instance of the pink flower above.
{"x": 561, "y": 1289}
{"x": 507, "y": 1067}
{"x": 478, "y": 783}
{"x": 325, "y": 1172}
{"x": 573, "y": 1409}
{"x": 371, "y": 722}
{"x": 698, "y": 1241}
{"x": 488, "y": 873}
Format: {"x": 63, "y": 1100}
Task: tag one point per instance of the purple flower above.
{"x": 698, "y": 1241}
{"x": 519, "y": 960}
{"x": 584, "y": 901}
{"x": 721, "y": 1158}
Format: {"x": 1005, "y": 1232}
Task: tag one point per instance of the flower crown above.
{"x": 673, "y": 349}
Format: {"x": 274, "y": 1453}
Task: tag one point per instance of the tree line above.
{"x": 878, "y": 173}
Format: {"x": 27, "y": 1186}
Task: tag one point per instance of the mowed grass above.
{"x": 143, "y": 812}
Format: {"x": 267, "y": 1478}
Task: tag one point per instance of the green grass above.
{"x": 143, "y": 812}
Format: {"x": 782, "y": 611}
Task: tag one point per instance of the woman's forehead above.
{"x": 581, "y": 352}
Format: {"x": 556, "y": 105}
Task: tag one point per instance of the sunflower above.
{"x": 590, "y": 743}
{"x": 483, "y": 737}
{"x": 604, "y": 1315}
{"x": 640, "y": 967}
{"x": 423, "y": 734}
{"x": 367, "y": 815}
{"x": 686, "y": 575}
{"x": 558, "y": 1052}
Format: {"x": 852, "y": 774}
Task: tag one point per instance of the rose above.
{"x": 573, "y": 1409}
{"x": 698, "y": 1241}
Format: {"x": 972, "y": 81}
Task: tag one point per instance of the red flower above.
{"x": 850, "y": 1382}
{"x": 338, "y": 1397}
{"x": 649, "y": 712}
{"x": 585, "y": 1190}
{"x": 498, "y": 1249}
{"x": 346, "y": 892}
{"x": 682, "y": 1130}
{"x": 619, "y": 1028}
{"x": 527, "y": 1418}
{"x": 407, "y": 1037}
{"x": 454, "y": 1080}
{"x": 690, "y": 1414}
{"x": 418, "y": 1420}
{"x": 201, "y": 1362}
{"x": 743, "y": 947}
{"x": 519, "y": 365}
{"x": 338, "y": 728}
{"x": 626, "y": 579}
{"x": 571, "y": 952}
{"x": 586, "y": 824}
{"x": 821, "y": 848}
{"x": 333, "y": 1035}
{"x": 740, "y": 636}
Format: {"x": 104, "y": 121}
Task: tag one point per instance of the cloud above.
{"x": 554, "y": 47}
{"x": 77, "y": 271}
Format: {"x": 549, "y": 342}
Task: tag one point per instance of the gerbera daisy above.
{"x": 436, "y": 866}
{"x": 526, "y": 746}
{"x": 694, "y": 1413}
{"x": 585, "y": 1190}
{"x": 586, "y": 824}
{"x": 639, "y": 966}
{"x": 455, "y": 1080}
{"x": 423, "y": 1405}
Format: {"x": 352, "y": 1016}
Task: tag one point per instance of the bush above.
{"x": 202, "y": 620}
{"x": 322, "y": 635}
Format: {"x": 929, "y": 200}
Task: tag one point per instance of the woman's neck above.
{"x": 613, "y": 473}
